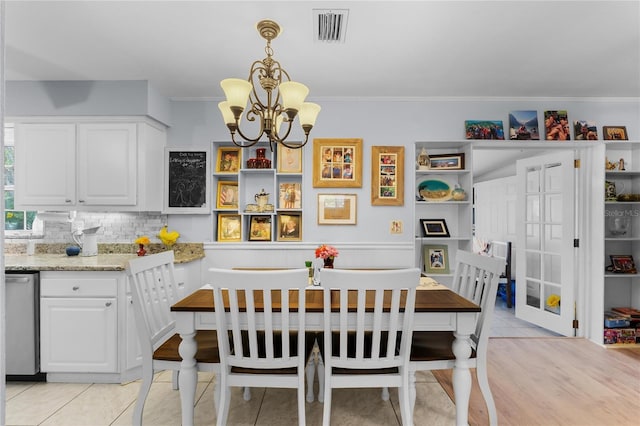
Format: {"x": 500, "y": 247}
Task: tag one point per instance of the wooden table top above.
{"x": 439, "y": 300}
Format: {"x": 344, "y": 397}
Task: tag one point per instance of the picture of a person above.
{"x": 289, "y": 228}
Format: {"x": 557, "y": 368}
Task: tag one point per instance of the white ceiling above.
{"x": 393, "y": 48}
{"x": 398, "y": 49}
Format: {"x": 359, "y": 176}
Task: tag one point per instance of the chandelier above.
{"x": 282, "y": 99}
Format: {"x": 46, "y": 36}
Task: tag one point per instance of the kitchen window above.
{"x": 14, "y": 220}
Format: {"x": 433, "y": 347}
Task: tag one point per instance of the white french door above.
{"x": 545, "y": 234}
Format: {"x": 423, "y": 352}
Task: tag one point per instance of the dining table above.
{"x": 437, "y": 308}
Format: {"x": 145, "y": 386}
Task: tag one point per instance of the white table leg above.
{"x": 188, "y": 378}
{"x": 462, "y": 377}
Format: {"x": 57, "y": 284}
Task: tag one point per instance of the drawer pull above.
{"x": 75, "y": 288}
{"x": 107, "y": 304}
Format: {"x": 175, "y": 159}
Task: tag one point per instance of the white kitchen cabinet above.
{"x": 90, "y": 166}
{"x": 78, "y": 322}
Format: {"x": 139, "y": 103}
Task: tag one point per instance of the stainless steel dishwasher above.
{"x": 23, "y": 325}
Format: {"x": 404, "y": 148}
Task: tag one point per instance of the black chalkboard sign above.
{"x": 187, "y": 181}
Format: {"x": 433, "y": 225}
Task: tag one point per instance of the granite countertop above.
{"x": 111, "y": 257}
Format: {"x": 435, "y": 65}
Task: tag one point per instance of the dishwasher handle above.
{"x": 16, "y": 280}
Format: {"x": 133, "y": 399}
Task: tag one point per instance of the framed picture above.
{"x": 260, "y": 228}
{"x": 188, "y": 181}
{"x": 623, "y": 264}
{"x": 436, "y": 259}
{"x": 337, "y": 163}
{"x": 484, "y": 129}
{"x": 585, "y": 130}
{"x": 289, "y": 195}
{"x": 227, "y": 196}
{"x": 434, "y": 228}
{"x": 523, "y": 125}
{"x": 556, "y": 125}
{"x": 229, "y": 227}
{"x": 229, "y": 159}
{"x": 615, "y": 133}
{"x": 337, "y": 209}
{"x": 447, "y": 161}
{"x": 290, "y": 227}
{"x": 387, "y": 175}
{"x": 289, "y": 159}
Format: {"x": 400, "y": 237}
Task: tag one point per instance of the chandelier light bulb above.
{"x": 237, "y": 91}
{"x": 293, "y": 94}
{"x": 308, "y": 114}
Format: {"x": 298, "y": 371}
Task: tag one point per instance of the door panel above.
{"x": 545, "y": 261}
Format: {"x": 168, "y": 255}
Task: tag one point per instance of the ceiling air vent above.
{"x": 330, "y": 25}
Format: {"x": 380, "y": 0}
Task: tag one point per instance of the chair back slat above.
{"x": 375, "y": 319}
{"x": 154, "y": 289}
{"x": 258, "y": 319}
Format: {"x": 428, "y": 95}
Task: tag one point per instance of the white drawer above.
{"x": 70, "y": 287}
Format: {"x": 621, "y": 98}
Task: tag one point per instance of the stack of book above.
{"x": 622, "y": 326}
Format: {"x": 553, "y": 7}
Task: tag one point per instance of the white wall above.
{"x": 381, "y": 122}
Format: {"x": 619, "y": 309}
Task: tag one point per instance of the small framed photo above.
{"x": 289, "y": 196}
{"x": 260, "y": 228}
{"x": 227, "y": 198}
{"x": 289, "y": 159}
{"x": 484, "y": 129}
{"x": 434, "y": 228}
{"x": 229, "y": 159}
{"x": 615, "y": 133}
{"x": 290, "y": 227}
{"x": 623, "y": 264}
{"x": 447, "y": 161}
{"x": 436, "y": 259}
{"x": 337, "y": 209}
{"x": 229, "y": 227}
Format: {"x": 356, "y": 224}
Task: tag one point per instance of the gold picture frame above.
{"x": 289, "y": 159}
{"x": 387, "y": 176}
{"x": 260, "y": 228}
{"x": 337, "y": 163}
{"x": 229, "y": 227}
{"x": 227, "y": 195}
{"x": 337, "y": 209}
{"x": 229, "y": 160}
{"x": 289, "y": 227}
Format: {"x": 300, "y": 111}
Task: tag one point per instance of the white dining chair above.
{"x": 368, "y": 345}
{"x": 476, "y": 279}
{"x": 265, "y": 323}
{"x": 154, "y": 289}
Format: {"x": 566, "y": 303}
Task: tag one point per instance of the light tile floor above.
{"x": 61, "y": 404}
{"x": 505, "y": 324}
{"x": 56, "y": 404}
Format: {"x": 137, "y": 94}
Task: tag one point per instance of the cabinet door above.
{"x": 45, "y": 165}
{"x": 78, "y": 335}
{"x": 107, "y": 164}
{"x": 133, "y": 353}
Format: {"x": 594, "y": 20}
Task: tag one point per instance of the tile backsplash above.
{"x": 114, "y": 227}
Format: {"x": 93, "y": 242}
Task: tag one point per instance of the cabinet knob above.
{"x": 75, "y": 288}
{"x": 81, "y": 201}
{"x": 67, "y": 201}
{"x": 107, "y": 304}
